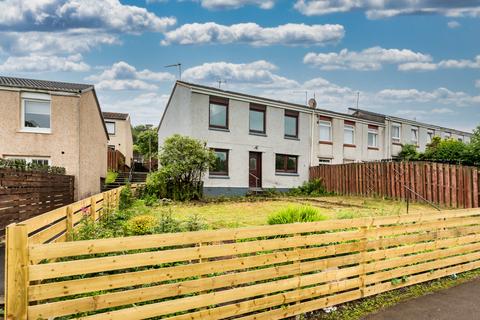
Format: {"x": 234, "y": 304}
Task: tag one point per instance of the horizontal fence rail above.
{"x": 24, "y": 194}
{"x": 266, "y": 272}
{"x": 446, "y": 185}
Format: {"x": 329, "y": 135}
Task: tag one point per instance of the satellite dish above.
{"x": 312, "y": 103}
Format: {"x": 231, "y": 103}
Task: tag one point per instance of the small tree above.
{"x": 445, "y": 150}
{"x": 408, "y": 152}
{"x": 472, "y": 152}
{"x": 147, "y": 143}
{"x": 183, "y": 162}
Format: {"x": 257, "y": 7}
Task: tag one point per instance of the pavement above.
{"x": 458, "y": 303}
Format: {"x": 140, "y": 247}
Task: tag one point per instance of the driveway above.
{"x": 458, "y": 303}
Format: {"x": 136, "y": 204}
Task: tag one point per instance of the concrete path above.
{"x": 458, "y": 303}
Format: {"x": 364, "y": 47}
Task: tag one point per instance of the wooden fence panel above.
{"x": 442, "y": 184}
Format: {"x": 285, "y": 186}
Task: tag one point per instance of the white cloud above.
{"x": 453, "y": 24}
{"x": 253, "y": 34}
{"x": 444, "y": 64}
{"x": 376, "y": 9}
{"x": 418, "y": 66}
{"x": 235, "y": 4}
{"x": 42, "y": 63}
{"x": 48, "y": 15}
{"x": 122, "y": 76}
{"x": 441, "y": 110}
{"x": 477, "y": 84}
{"x": 258, "y": 73}
{"x": 440, "y": 95}
{"x": 368, "y": 59}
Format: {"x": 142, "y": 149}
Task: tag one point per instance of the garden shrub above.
{"x": 195, "y": 223}
{"x": 141, "y": 225}
{"x": 126, "y": 197}
{"x": 313, "y": 188}
{"x": 168, "y": 223}
{"x": 296, "y": 214}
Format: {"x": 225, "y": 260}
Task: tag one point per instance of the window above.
{"x": 349, "y": 133}
{"x": 373, "y": 136}
{"x": 35, "y": 114}
{"x": 396, "y": 132}
{"x": 110, "y": 127}
{"x": 414, "y": 132}
{"x": 325, "y": 129}
{"x": 285, "y": 163}
{"x": 257, "y": 118}
{"x": 324, "y": 161}
{"x": 460, "y": 139}
{"x": 447, "y": 135}
{"x": 220, "y": 167}
{"x": 291, "y": 124}
{"x": 43, "y": 161}
{"x": 430, "y": 135}
{"x": 218, "y": 113}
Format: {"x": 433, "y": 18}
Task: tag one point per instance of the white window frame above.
{"x": 349, "y": 127}
{"x": 324, "y": 160}
{"x": 375, "y": 132}
{"x": 114, "y": 127}
{"x": 327, "y": 124}
{"x": 412, "y": 130}
{"x": 28, "y": 159}
{"x": 39, "y": 97}
{"x": 399, "y": 138}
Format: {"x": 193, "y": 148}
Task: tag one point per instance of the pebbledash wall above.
{"x": 187, "y": 113}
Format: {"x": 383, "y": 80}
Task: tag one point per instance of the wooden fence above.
{"x": 115, "y": 160}
{"x": 443, "y": 184}
{"x": 266, "y": 272}
{"x": 24, "y": 194}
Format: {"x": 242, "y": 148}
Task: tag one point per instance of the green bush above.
{"x": 313, "y": 188}
{"x": 296, "y": 214}
{"x": 195, "y": 223}
{"x": 126, "y": 198}
{"x": 168, "y": 223}
{"x": 141, "y": 225}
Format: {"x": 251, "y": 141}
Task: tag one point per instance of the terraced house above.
{"x": 265, "y": 143}
{"x": 55, "y": 123}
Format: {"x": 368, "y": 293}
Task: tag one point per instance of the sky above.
{"x": 416, "y": 59}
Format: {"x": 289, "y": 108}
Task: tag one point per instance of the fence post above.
{"x": 69, "y": 222}
{"x": 16, "y": 272}
{"x": 93, "y": 208}
{"x": 363, "y": 260}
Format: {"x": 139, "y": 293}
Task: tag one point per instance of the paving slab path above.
{"x": 458, "y": 303}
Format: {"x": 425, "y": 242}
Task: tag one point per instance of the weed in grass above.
{"x": 293, "y": 214}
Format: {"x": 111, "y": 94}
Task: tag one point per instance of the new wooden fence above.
{"x": 24, "y": 194}
{"x": 266, "y": 272}
{"x": 115, "y": 160}
{"x": 443, "y": 184}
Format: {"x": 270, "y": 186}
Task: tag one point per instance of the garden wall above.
{"x": 266, "y": 272}
{"x": 442, "y": 184}
{"x": 26, "y": 193}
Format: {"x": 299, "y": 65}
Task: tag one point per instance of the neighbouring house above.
{"x": 55, "y": 123}
{"x": 266, "y": 143}
{"x": 120, "y": 132}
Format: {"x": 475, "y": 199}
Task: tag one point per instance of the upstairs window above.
{"x": 36, "y": 113}
{"x": 257, "y": 118}
{"x": 372, "y": 136}
{"x": 430, "y": 135}
{"x": 220, "y": 167}
{"x": 325, "y": 129}
{"x": 291, "y": 124}
{"x": 396, "y": 132}
{"x": 286, "y": 163}
{"x": 349, "y": 133}
{"x": 414, "y": 139}
{"x": 110, "y": 127}
{"x": 218, "y": 113}
{"x": 447, "y": 135}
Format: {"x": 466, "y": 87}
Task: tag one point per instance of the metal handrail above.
{"x": 256, "y": 179}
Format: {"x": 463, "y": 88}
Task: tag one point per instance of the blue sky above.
{"x": 413, "y": 59}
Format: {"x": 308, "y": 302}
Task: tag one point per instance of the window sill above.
{"x": 213, "y": 176}
{"x": 35, "y": 131}
{"x": 260, "y": 134}
{"x": 287, "y": 174}
{"x": 218, "y": 129}
{"x": 291, "y": 138}
{"x": 325, "y": 142}
{"x": 373, "y": 148}
{"x": 349, "y": 145}
{"x": 396, "y": 143}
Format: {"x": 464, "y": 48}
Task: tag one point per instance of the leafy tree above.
{"x": 147, "y": 143}
{"x": 445, "y": 150}
{"x": 473, "y": 148}
{"x": 183, "y": 162}
{"x": 137, "y": 130}
{"x": 408, "y": 152}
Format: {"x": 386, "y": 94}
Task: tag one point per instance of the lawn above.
{"x": 251, "y": 212}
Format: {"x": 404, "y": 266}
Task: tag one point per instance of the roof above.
{"x": 115, "y": 115}
{"x": 365, "y": 114}
{"x": 44, "y": 85}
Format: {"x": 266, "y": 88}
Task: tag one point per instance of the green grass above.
{"x": 358, "y": 309}
{"x": 292, "y": 214}
{"x": 111, "y": 176}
